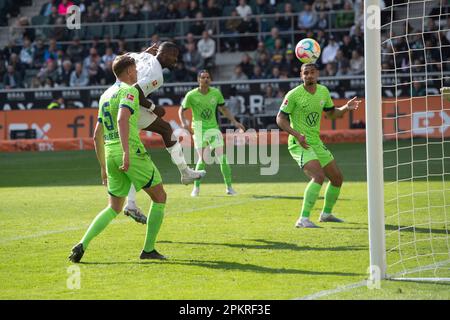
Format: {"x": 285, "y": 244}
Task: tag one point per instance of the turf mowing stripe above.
{"x": 43, "y": 234}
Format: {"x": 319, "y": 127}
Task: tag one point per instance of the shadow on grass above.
{"x": 288, "y": 197}
{"x": 390, "y": 227}
{"x": 271, "y": 245}
{"x": 228, "y": 266}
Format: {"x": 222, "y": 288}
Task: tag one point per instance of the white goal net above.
{"x": 415, "y": 57}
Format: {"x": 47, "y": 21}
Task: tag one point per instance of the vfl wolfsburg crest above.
{"x": 312, "y": 118}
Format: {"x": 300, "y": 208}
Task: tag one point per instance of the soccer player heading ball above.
{"x": 300, "y": 115}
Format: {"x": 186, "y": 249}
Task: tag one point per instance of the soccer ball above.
{"x": 307, "y": 50}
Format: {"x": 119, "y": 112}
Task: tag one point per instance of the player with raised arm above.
{"x": 123, "y": 159}
{"x": 300, "y": 115}
{"x": 204, "y": 101}
{"x": 150, "y": 65}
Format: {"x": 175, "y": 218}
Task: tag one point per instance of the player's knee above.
{"x": 319, "y": 177}
{"x": 160, "y": 196}
{"x": 338, "y": 180}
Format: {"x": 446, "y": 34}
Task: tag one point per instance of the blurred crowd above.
{"x": 34, "y": 61}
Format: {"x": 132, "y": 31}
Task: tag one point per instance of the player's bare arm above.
{"x": 351, "y": 105}
{"x": 99, "y": 145}
{"x": 183, "y": 120}
{"x": 143, "y": 101}
{"x": 284, "y": 124}
{"x": 227, "y": 113}
{"x": 124, "y": 130}
{"x": 153, "y": 50}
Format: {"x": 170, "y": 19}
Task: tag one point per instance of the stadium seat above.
{"x": 38, "y": 20}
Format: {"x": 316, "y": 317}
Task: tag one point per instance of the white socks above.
{"x": 176, "y": 152}
{"x": 131, "y": 200}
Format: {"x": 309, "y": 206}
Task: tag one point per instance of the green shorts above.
{"x": 142, "y": 173}
{"x": 314, "y": 152}
{"x": 210, "y": 137}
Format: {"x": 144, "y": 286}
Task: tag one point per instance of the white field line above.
{"x": 339, "y": 289}
{"x": 50, "y": 232}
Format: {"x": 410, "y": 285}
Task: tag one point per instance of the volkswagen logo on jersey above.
{"x": 312, "y": 119}
{"x": 206, "y": 114}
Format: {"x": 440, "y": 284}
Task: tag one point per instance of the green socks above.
{"x": 154, "y": 221}
{"x": 225, "y": 169}
{"x": 331, "y": 196}
{"x": 100, "y": 222}
{"x": 200, "y": 166}
{"x": 309, "y": 198}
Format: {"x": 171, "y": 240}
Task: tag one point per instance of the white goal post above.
{"x": 407, "y": 105}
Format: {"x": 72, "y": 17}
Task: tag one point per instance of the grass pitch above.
{"x": 219, "y": 247}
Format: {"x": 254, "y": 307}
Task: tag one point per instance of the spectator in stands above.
{"x": 207, "y": 49}
{"x": 122, "y": 47}
{"x": 92, "y": 57}
{"x": 244, "y": 10}
{"x": 287, "y": 20}
{"x": 341, "y": 60}
{"x": 344, "y": 69}
{"x": 270, "y": 41}
{"x": 192, "y": 9}
{"x": 356, "y": 63}
{"x": 91, "y": 15}
{"x": 53, "y": 15}
{"x": 10, "y": 49}
{"x": 322, "y": 5}
{"x": 136, "y": 15}
{"x": 60, "y": 31}
{"x": 247, "y": 65}
{"x": 46, "y": 8}
{"x": 189, "y": 39}
{"x": 52, "y": 51}
{"x": 110, "y": 78}
{"x": 307, "y": 18}
{"x": 49, "y": 83}
{"x": 322, "y": 21}
{"x": 64, "y": 72}
{"x": 193, "y": 60}
{"x": 330, "y": 50}
{"x": 75, "y": 51}
{"x": 264, "y": 63}
{"x": 18, "y": 66}
{"x": 198, "y": 27}
{"x": 269, "y": 92}
{"x": 346, "y": 18}
{"x": 35, "y": 83}
{"x": 262, "y": 8}
{"x": 108, "y": 56}
{"x": 168, "y": 14}
{"x": 330, "y": 70}
{"x": 60, "y": 57}
{"x": 62, "y": 8}
{"x": 418, "y": 90}
{"x": 96, "y": 74}
{"x": 259, "y": 51}
{"x": 277, "y": 53}
{"x": 27, "y": 53}
{"x": 12, "y": 78}
{"x": 238, "y": 75}
{"x": 347, "y": 46}
{"x": 257, "y": 73}
{"x": 211, "y": 10}
{"x": 276, "y": 73}
{"x": 49, "y": 70}
{"x": 232, "y": 27}
{"x": 181, "y": 74}
{"x": 290, "y": 65}
{"x": 79, "y": 76}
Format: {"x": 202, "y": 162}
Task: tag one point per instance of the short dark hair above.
{"x": 203, "y": 71}
{"x": 121, "y": 63}
{"x": 309, "y": 64}
{"x": 167, "y": 45}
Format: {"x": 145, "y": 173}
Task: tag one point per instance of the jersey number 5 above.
{"x": 107, "y": 114}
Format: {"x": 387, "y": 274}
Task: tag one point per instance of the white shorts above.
{"x": 146, "y": 118}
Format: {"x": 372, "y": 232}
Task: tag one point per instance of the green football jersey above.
{"x": 203, "y": 107}
{"x": 120, "y": 96}
{"x": 305, "y": 110}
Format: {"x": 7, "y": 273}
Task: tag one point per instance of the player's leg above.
{"x": 118, "y": 186}
{"x": 332, "y": 191}
{"x": 131, "y": 209}
{"x": 308, "y": 161}
{"x": 155, "y": 218}
{"x": 200, "y": 165}
{"x": 224, "y": 168}
{"x": 175, "y": 150}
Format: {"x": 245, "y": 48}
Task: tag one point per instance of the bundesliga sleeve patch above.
{"x": 130, "y": 97}
{"x": 155, "y": 83}
{"x": 286, "y": 101}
